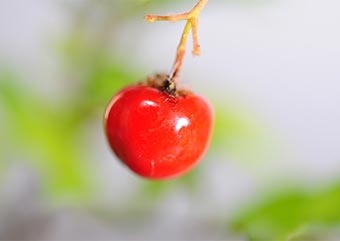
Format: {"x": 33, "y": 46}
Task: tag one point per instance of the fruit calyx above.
{"x": 164, "y": 83}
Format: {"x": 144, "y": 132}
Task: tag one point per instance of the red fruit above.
{"x": 158, "y": 135}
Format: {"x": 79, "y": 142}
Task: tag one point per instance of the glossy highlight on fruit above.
{"x": 155, "y": 134}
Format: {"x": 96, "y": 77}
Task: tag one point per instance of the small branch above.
{"x": 196, "y": 47}
{"x": 172, "y": 18}
{"x": 192, "y": 24}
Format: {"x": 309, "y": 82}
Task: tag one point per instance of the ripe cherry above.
{"x": 156, "y": 131}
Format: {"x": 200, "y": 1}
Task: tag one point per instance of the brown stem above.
{"x": 192, "y": 22}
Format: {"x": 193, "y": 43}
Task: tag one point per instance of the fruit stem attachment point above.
{"x": 192, "y": 24}
{"x": 169, "y": 87}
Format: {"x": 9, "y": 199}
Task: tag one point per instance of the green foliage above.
{"x": 231, "y": 128}
{"x": 238, "y": 134}
{"x": 36, "y": 133}
{"x": 49, "y": 136}
{"x": 290, "y": 214}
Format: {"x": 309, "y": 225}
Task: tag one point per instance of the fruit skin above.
{"x": 158, "y": 136}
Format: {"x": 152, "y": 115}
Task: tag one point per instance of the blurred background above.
{"x": 269, "y": 67}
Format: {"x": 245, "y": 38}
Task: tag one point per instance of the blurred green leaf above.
{"x": 50, "y": 135}
{"x": 229, "y": 127}
{"x": 37, "y": 133}
{"x": 289, "y": 214}
{"x": 237, "y": 134}
{"x": 107, "y": 78}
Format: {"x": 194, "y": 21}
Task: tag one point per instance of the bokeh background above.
{"x": 271, "y": 68}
